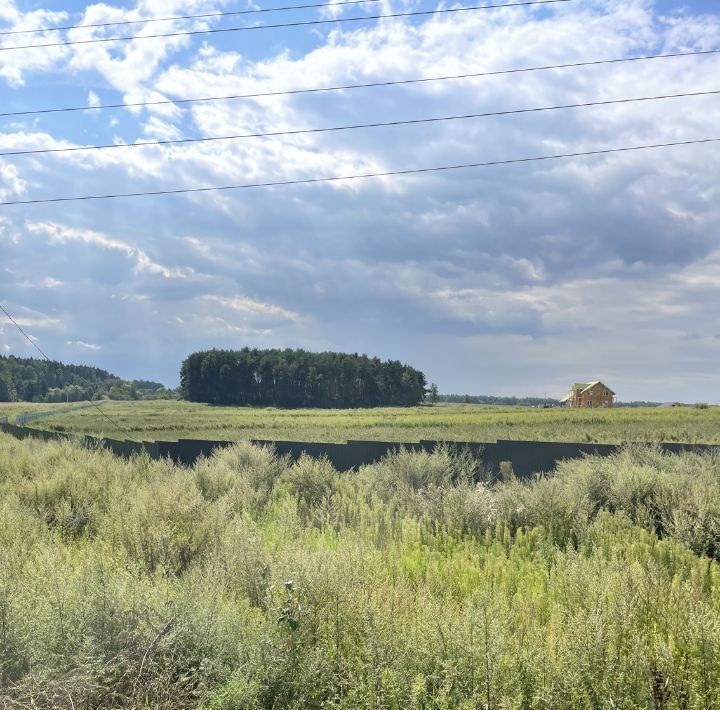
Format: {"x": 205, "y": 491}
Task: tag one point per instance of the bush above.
{"x": 250, "y": 582}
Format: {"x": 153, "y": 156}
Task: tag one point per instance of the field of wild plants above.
{"x": 170, "y": 420}
{"x": 10, "y": 409}
{"x": 249, "y": 582}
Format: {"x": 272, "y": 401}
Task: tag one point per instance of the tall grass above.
{"x": 250, "y": 582}
{"x": 172, "y": 420}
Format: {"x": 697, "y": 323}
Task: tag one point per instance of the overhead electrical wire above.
{"x": 37, "y": 347}
{"x": 328, "y": 129}
{"x": 177, "y": 18}
{"x": 27, "y": 337}
{"x": 362, "y": 176}
{"x": 304, "y": 23}
{"x": 344, "y": 87}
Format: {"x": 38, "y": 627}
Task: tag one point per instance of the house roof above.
{"x": 584, "y": 386}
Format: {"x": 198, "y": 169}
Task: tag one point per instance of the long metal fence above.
{"x": 23, "y": 419}
{"x": 526, "y": 457}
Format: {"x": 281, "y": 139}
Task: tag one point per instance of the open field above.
{"x": 246, "y": 582}
{"x": 10, "y": 409}
{"x": 170, "y": 420}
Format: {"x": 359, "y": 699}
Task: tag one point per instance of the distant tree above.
{"x": 433, "y": 393}
{"x": 492, "y": 399}
{"x": 297, "y": 378}
{"x": 30, "y": 380}
{"x": 4, "y": 391}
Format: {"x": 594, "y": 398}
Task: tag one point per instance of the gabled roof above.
{"x": 584, "y": 386}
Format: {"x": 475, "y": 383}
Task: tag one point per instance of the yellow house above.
{"x": 589, "y": 394}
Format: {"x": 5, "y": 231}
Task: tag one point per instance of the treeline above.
{"x": 297, "y": 378}
{"x": 32, "y": 380}
{"x": 489, "y": 399}
{"x": 526, "y": 401}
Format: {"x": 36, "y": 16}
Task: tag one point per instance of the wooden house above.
{"x": 589, "y": 394}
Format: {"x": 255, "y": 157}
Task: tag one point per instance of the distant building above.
{"x": 589, "y": 394}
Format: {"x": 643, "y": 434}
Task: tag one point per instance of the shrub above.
{"x": 250, "y": 582}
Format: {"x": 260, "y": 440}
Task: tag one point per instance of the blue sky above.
{"x": 510, "y": 280}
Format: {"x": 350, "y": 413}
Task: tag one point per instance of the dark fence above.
{"x": 526, "y": 457}
{"x": 23, "y": 419}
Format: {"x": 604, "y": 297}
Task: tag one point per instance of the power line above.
{"x": 356, "y": 126}
{"x": 345, "y": 87}
{"x": 110, "y": 419}
{"x": 337, "y": 178}
{"x": 27, "y": 337}
{"x": 305, "y": 23}
{"x": 207, "y": 15}
{"x": 37, "y": 347}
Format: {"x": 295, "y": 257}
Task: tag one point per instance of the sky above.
{"x": 514, "y": 279}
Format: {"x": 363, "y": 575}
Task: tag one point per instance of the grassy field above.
{"x": 10, "y": 409}
{"x": 170, "y": 420}
{"x": 246, "y": 582}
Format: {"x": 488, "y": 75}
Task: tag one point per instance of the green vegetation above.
{"x": 10, "y": 409}
{"x": 297, "y": 378}
{"x": 247, "y": 582}
{"x": 490, "y": 399}
{"x": 173, "y": 420}
{"x": 31, "y": 380}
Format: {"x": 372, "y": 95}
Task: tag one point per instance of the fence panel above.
{"x": 526, "y": 457}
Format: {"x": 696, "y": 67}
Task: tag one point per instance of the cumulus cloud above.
{"x": 11, "y": 184}
{"x": 60, "y": 234}
{"x": 16, "y": 64}
{"x": 568, "y": 269}
{"x": 247, "y": 306}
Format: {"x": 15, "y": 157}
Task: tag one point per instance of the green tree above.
{"x": 297, "y": 378}
{"x": 4, "y": 391}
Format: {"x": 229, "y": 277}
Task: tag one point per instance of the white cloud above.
{"x": 11, "y": 184}
{"x": 703, "y": 274}
{"x": 591, "y": 261}
{"x": 249, "y": 307}
{"x": 15, "y": 64}
{"x": 30, "y": 318}
{"x": 60, "y": 234}
{"x": 46, "y": 282}
{"x": 81, "y": 344}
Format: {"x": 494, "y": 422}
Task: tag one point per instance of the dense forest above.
{"x": 297, "y": 378}
{"x": 31, "y": 380}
